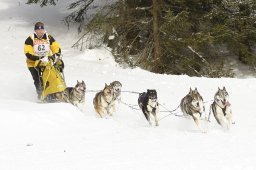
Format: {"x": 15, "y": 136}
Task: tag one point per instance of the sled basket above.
{"x": 53, "y": 80}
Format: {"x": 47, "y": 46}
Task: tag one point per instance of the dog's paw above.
{"x": 107, "y": 116}
{"x": 150, "y": 124}
{"x": 82, "y": 109}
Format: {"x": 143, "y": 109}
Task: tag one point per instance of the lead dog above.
{"x": 192, "y": 104}
{"x": 102, "y": 101}
{"x": 149, "y": 105}
{"x": 221, "y": 108}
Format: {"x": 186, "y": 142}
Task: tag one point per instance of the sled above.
{"x": 53, "y": 80}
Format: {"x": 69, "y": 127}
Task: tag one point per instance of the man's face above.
{"x": 39, "y": 32}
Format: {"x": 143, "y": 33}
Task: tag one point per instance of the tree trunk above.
{"x": 156, "y": 29}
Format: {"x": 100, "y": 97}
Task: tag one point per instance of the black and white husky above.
{"x": 221, "y": 108}
{"x": 149, "y": 105}
{"x": 192, "y": 104}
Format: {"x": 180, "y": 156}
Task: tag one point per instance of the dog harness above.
{"x": 223, "y": 108}
{"x": 107, "y": 100}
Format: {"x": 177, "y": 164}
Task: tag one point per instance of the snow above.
{"x": 60, "y": 137}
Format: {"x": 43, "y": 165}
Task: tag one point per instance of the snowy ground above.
{"x": 60, "y": 137}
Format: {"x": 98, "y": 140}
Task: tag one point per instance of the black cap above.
{"x": 39, "y": 26}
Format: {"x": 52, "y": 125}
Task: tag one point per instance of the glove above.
{"x": 53, "y": 58}
{"x": 44, "y": 61}
{"x": 57, "y": 57}
{"x": 58, "y": 54}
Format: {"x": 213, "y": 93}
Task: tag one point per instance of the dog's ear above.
{"x": 196, "y": 90}
{"x": 224, "y": 88}
{"x": 106, "y": 85}
{"x": 77, "y": 82}
{"x": 155, "y": 92}
{"x": 190, "y": 91}
{"x": 218, "y": 88}
{"x": 201, "y": 98}
{"x": 83, "y": 83}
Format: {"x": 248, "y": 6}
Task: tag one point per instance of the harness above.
{"x": 104, "y": 97}
{"x": 153, "y": 108}
{"x": 223, "y": 108}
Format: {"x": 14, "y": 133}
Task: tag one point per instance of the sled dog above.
{"x": 103, "y": 101}
{"x": 116, "y": 85}
{"x": 192, "y": 104}
{"x": 221, "y": 108}
{"x": 74, "y": 95}
{"x": 149, "y": 105}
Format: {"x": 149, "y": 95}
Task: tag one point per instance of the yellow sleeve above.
{"x": 28, "y": 47}
{"x": 54, "y": 45}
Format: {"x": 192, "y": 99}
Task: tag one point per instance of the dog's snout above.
{"x": 152, "y": 97}
{"x": 197, "y": 104}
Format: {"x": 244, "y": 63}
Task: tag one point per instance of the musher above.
{"x": 40, "y": 46}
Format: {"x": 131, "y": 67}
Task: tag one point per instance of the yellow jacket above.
{"x": 29, "y": 50}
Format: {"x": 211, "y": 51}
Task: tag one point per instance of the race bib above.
{"x": 41, "y": 47}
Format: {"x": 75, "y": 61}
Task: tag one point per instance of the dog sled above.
{"x": 52, "y": 78}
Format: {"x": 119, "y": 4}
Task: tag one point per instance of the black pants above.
{"x": 38, "y": 82}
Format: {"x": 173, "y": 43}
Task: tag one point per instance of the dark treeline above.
{"x": 193, "y": 37}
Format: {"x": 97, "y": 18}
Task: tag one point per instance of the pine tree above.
{"x": 193, "y": 37}
{"x": 42, "y": 2}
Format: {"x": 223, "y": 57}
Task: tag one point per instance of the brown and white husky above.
{"x": 103, "y": 101}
